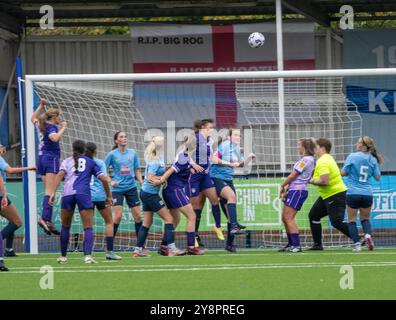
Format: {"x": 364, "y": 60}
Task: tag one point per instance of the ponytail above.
{"x": 197, "y": 126}
{"x": 42, "y": 120}
{"x": 190, "y": 144}
{"x": 115, "y": 139}
{"x": 309, "y": 146}
{"x": 368, "y": 142}
{"x": 78, "y": 149}
{"x": 151, "y": 153}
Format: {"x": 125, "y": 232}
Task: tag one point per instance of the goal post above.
{"x": 256, "y": 93}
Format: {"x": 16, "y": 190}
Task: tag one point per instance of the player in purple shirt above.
{"x": 294, "y": 192}
{"x": 8, "y": 210}
{"x": 78, "y": 171}
{"x": 174, "y": 194}
{"x": 48, "y": 157}
{"x": 201, "y": 185}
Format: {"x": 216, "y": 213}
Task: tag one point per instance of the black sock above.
{"x": 230, "y": 236}
{"x": 137, "y": 227}
{"x": 198, "y": 213}
{"x": 8, "y": 234}
{"x": 316, "y": 230}
{"x": 115, "y": 226}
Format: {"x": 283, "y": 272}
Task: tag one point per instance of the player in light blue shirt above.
{"x": 125, "y": 165}
{"x": 225, "y": 159}
{"x": 360, "y": 167}
{"x": 8, "y": 210}
{"x": 98, "y": 195}
{"x": 155, "y": 167}
{"x": 152, "y": 202}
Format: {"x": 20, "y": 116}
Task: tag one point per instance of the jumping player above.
{"x": 8, "y": 210}
{"x": 359, "y": 167}
{"x": 295, "y": 185}
{"x": 99, "y": 200}
{"x": 48, "y": 157}
{"x": 78, "y": 170}
{"x": 225, "y": 159}
{"x": 152, "y": 202}
{"x": 201, "y": 185}
{"x": 125, "y": 165}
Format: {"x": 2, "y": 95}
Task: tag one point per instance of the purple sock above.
{"x": 289, "y": 239}
{"x": 190, "y": 239}
{"x": 64, "y": 240}
{"x": 295, "y": 239}
{"x": 1, "y": 246}
{"x": 88, "y": 241}
{"x": 216, "y": 215}
{"x": 47, "y": 209}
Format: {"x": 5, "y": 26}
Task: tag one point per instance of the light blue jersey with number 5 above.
{"x": 360, "y": 167}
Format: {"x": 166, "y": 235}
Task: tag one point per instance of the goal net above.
{"x": 96, "y": 107}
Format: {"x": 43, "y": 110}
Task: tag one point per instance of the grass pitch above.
{"x": 261, "y": 274}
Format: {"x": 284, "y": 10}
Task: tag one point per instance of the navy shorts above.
{"x": 131, "y": 197}
{"x": 199, "y": 181}
{"x": 296, "y": 198}
{"x": 220, "y": 184}
{"x": 83, "y": 201}
{"x": 175, "y": 198}
{"x": 355, "y": 201}
{"x": 100, "y": 205}
{"x": 9, "y": 201}
{"x": 152, "y": 202}
{"x": 48, "y": 164}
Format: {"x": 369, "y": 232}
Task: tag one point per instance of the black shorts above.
{"x": 220, "y": 184}
{"x": 100, "y": 205}
{"x": 9, "y": 201}
{"x": 356, "y": 201}
{"x": 131, "y": 197}
{"x": 151, "y": 202}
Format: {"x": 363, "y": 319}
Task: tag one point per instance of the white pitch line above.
{"x": 207, "y": 269}
{"x": 207, "y": 265}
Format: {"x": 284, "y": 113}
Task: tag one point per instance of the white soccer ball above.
{"x": 256, "y": 40}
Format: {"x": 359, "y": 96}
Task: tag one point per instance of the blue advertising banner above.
{"x": 372, "y": 48}
{"x": 384, "y": 203}
{"x": 370, "y": 100}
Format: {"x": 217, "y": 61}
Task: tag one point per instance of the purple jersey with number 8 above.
{"x": 77, "y": 181}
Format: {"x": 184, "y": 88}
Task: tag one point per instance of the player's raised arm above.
{"x": 36, "y": 114}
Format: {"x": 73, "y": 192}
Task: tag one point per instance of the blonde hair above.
{"x": 190, "y": 144}
{"x": 48, "y": 115}
{"x": 151, "y": 153}
{"x": 368, "y": 142}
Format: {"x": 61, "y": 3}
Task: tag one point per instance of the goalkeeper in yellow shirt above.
{"x": 332, "y": 194}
